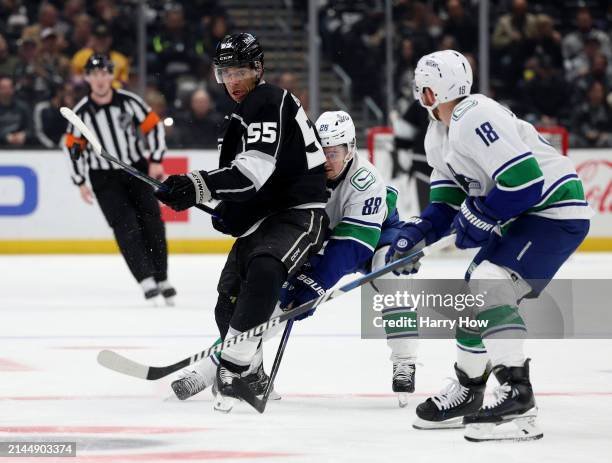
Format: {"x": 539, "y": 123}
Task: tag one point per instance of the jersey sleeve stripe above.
{"x": 280, "y": 124}
{"x": 447, "y": 183}
{"x": 510, "y": 163}
{"x": 449, "y": 195}
{"x": 570, "y": 190}
{"x": 520, "y": 174}
{"x": 361, "y": 222}
{"x": 356, "y": 240}
{"x": 369, "y": 236}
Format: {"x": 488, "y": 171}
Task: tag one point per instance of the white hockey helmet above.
{"x": 337, "y": 128}
{"x": 447, "y": 73}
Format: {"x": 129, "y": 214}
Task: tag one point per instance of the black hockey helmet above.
{"x": 99, "y": 61}
{"x": 238, "y": 50}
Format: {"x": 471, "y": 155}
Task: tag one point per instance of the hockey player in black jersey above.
{"x": 271, "y": 184}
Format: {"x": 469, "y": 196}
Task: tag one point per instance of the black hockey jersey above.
{"x": 270, "y": 160}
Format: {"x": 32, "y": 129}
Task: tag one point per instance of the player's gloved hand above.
{"x": 75, "y": 152}
{"x": 299, "y": 289}
{"x": 474, "y": 224}
{"x": 184, "y": 191}
{"x": 410, "y": 239}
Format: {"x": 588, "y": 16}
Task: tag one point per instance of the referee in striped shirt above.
{"x": 121, "y": 120}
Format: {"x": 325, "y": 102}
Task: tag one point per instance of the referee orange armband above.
{"x": 149, "y": 123}
{"x": 71, "y": 140}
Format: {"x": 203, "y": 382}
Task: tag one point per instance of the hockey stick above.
{"x": 97, "y": 147}
{"x": 126, "y": 366}
{"x": 244, "y": 390}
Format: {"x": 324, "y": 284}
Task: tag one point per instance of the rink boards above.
{"x": 41, "y": 210}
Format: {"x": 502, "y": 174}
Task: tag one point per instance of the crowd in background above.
{"x": 551, "y": 61}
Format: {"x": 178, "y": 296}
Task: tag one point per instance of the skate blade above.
{"x": 223, "y": 403}
{"x": 452, "y": 423}
{"x": 169, "y": 301}
{"x": 519, "y": 429}
{"x": 274, "y": 395}
{"x": 402, "y": 399}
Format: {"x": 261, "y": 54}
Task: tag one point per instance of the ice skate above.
{"x": 258, "y": 382}
{"x": 403, "y": 380}
{"x": 513, "y": 414}
{"x": 168, "y": 292}
{"x": 188, "y": 384}
{"x": 225, "y": 397}
{"x": 446, "y": 410}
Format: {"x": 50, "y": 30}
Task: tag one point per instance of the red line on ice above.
{"x": 98, "y": 429}
{"x": 9, "y": 365}
{"x": 196, "y": 455}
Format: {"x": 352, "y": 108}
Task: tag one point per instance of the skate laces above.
{"x": 193, "y": 381}
{"x": 453, "y": 394}
{"x": 500, "y": 393}
{"x": 404, "y": 371}
{"x": 227, "y": 376}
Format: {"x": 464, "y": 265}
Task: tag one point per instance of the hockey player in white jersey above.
{"x": 363, "y": 221}
{"x": 507, "y": 191}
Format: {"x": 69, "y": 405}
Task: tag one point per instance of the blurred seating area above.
{"x": 551, "y": 61}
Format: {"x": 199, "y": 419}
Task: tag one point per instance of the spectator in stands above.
{"x": 404, "y": 70}
{"x": 80, "y": 34}
{"x": 591, "y": 122}
{"x": 52, "y": 68}
{"x": 101, "y": 42}
{"x": 13, "y": 18}
{"x": 200, "y": 127}
{"x": 461, "y": 26}
{"x": 575, "y": 42}
{"x": 8, "y": 62}
{"x": 543, "y": 93}
{"x": 120, "y": 20}
{"x": 580, "y": 64}
{"x": 48, "y": 17}
{"x": 289, "y": 81}
{"x": 420, "y": 24}
{"x": 15, "y": 117}
{"x": 214, "y": 32}
{"x": 25, "y": 71}
{"x": 599, "y": 71}
{"x": 547, "y": 41}
{"x": 49, "y": 124}
{"x": 176, "y": 53}
{"x": 510, "y": 41}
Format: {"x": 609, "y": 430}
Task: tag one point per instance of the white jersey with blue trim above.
{"x": 486, "y": 147}
{"x": 357, "y": 206}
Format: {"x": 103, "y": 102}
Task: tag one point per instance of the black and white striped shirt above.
{"x": 116, "y": 125}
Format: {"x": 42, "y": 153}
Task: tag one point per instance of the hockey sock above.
{"x": 400, "y": 325}
{"x": 472, "y": 356}
{"x": 238, "y": 357}
{"x": 503, "y": 333}
{"x": 148, "y": 284}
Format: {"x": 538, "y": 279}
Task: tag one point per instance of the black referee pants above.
{"x": 133, "y": 213}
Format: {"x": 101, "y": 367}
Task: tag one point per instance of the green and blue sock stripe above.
{"x": 501, "y": 318}
{"x": 469, "y": 341}
{"x": 396, "y": 314}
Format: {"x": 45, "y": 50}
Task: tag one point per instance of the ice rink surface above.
{"x": 59, "y": 311}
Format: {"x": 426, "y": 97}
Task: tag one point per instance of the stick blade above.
{"x": 244, "y": 391}
{"x": 120, "y": 364}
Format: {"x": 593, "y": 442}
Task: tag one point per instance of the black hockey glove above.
{"x": 75, "y": 152}
{"x": 184, "y": 191}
